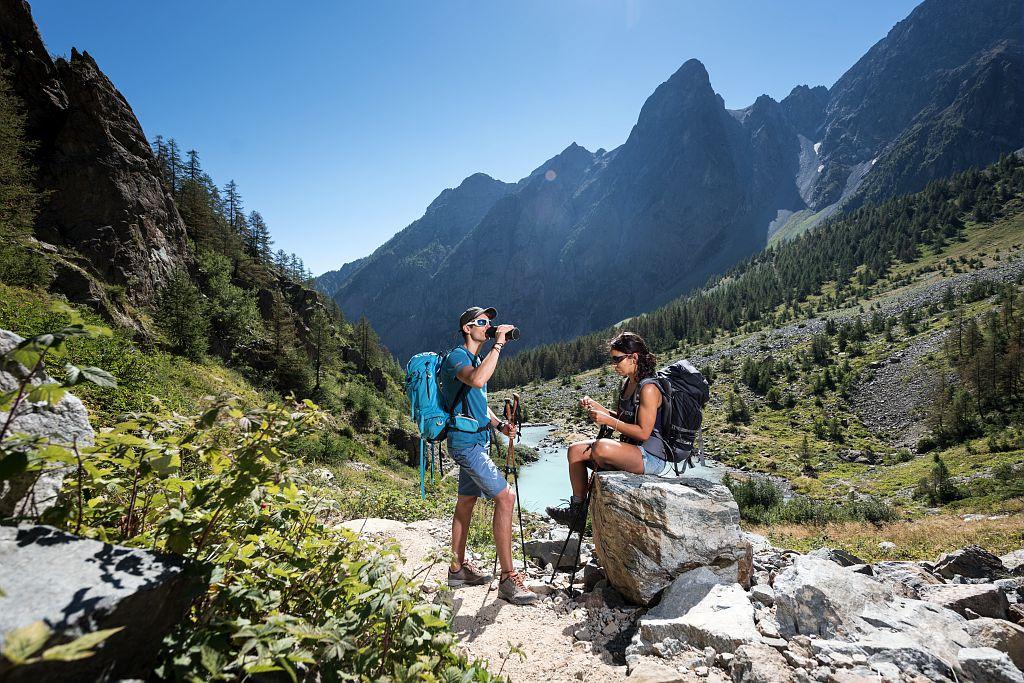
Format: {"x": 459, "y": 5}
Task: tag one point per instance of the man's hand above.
{"x": 500, "y": 331}
{"x": 507, "y": 428}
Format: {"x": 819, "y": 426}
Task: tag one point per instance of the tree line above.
{"x": 853, "y": 250}
{"x": 253, "y": 307}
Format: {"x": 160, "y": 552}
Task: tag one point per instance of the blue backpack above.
{"x": 422, "y": 386}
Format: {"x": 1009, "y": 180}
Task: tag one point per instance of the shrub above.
{"x": 289, "y": 596}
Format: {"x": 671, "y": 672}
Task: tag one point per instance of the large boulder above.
{"x": 648, "y": 531}
{"x": 77, "y": 586}
{"x": 972, "y": 562}
{"x": 818, "y": 598}
{"x": 66, "y": 422}
{"x": 983, "y": 599}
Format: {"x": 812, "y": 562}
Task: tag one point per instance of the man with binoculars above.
{"x": 463, "y": 379}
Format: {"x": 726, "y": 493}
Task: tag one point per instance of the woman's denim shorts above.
{"x": 652, "y": 463}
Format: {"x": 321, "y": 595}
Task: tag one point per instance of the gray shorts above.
{"x": 477, "y": 474}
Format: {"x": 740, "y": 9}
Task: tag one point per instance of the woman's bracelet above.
{"x": 497, "y": 347}
{"x": 616, "y": 427}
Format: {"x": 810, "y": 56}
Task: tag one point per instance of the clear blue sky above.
{"x": 341, "y": 121}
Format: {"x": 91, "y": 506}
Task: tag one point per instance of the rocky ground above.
{"x": 708, "y": 614}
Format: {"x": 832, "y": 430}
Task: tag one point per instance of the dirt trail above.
{"x": 486, "y": 625}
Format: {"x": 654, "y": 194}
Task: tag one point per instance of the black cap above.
{"x": 473, "y": 312}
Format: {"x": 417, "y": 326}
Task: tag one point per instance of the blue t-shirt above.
{"x": 473, "y": 403}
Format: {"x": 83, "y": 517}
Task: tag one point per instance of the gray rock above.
{"x": 648, "y": 530}
{"x": 1000, "y": 635}
{"x": 78, "y": 586}
{"x": 982, "y": 599}
{"x": 840, "y": 557}
{"x": 905, "y": 578}
{"x": 686, "y": 591}
{"x": 763, "y": 594}
{"x": 758, "y": 663}
{"x": 972, "y": 562}
{"x": 1013, "y": 561}
{"x": 66, "y": 422}
{"x": 592, "y": 573}
{"x": 986, "y": 665}
{"x": 816, "y": 597}
{"x": 723, "y": 619}
{"x": 547, "y": 551}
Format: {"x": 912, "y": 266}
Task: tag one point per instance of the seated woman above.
{"x": 637, "y": 419}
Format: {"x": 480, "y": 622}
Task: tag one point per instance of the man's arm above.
{"x": 477, "y": 377}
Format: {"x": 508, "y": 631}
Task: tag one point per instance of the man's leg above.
{"x": 460, "y": 529}
{"x": 504, "y": 504}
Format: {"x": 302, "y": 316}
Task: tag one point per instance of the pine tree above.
{"x": 261, "y": 240}
{"x": 173, "y": 165}
{"x": 182, "y": 315}
{"x": 233, "y": 208}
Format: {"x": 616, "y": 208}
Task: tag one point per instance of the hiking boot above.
{"x": 512, "y": 589}
{"x": 468, "y": 575}
{"x": 570, "y": 515}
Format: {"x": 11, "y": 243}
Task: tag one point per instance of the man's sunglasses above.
{"x": 482, "y": 322}
{"x": 615, "y": 360}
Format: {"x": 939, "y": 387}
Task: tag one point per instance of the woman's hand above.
{"x": 588, "y": 403}
{"x": 599, "y": 416}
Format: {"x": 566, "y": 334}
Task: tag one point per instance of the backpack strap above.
{"x": 460, "y": 395}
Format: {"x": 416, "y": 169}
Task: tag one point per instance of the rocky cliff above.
{"x": 105, "y": 209}
{"x": 588, "y": 239}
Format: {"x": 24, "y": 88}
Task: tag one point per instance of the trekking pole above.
{"x": 512, "y": 417}
{"x": 579, "y": 524}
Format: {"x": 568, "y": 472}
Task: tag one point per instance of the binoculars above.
{"x": 511, "y": 335}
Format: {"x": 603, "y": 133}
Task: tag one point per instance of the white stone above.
{"x": 723, "y": 619}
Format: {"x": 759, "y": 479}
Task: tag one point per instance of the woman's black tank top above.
{"x": 628, "y": 407}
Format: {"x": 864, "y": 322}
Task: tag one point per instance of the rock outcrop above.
{"x": 648, "y": 531}
{"x": 106, "y": 200}
{"x": 66, "y": 422}
{"x": 77, "y": 586}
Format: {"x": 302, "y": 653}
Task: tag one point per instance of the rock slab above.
{"x": 722, "y": 619}
{"x": 986, "y": 665}
{"x": 77, "y": 586}
{"x": 66, "y": 422}
{"x": 648, "y": 531}
{"x": 816, "y": 597}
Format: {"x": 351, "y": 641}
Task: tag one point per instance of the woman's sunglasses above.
{"x": 615, "y": 360}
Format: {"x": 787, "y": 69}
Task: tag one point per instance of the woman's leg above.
{"x": 609, "y": 454}
{"x": 580, "y": 454}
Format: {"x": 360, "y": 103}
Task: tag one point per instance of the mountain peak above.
{"x": 692, "y": 71}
